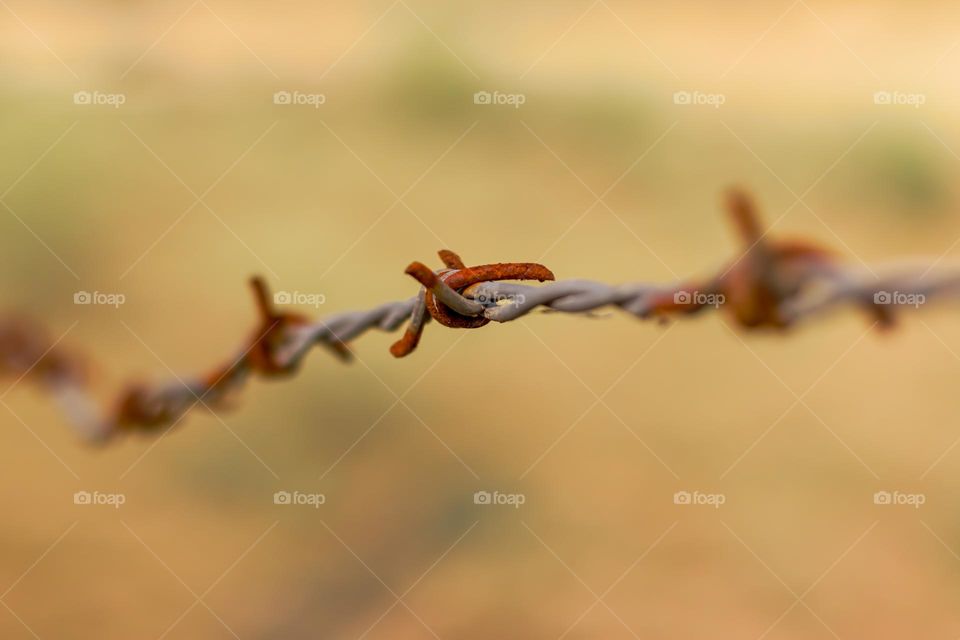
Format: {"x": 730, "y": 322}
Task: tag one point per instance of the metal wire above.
{"x": 772, "y": 284}
{"x": 900, "y": 287}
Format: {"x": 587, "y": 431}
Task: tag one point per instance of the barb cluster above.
{"x": 773, "y": 283}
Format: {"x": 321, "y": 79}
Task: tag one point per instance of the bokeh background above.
{"x": 200, "y": 179}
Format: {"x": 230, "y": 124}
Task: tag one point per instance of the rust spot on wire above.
{"x": 27, "y": 351}
{"x": 451, "y": 260}
{"x": 411, "y": 337}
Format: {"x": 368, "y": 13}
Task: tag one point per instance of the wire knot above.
{"x": 144, "y": 407}
{"x": 441, "y": 296}
{"x": 759, "y": 288}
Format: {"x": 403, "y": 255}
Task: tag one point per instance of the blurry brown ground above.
{"x": 302, "y": 209}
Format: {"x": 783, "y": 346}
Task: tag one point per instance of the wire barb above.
{"x": 441, "y": 294}
{"x": 773, "y": 284}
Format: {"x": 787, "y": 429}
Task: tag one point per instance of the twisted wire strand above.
{"x": 773, "y": 284}
{"x": 902, "y": 287}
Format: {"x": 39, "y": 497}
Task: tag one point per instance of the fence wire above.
{"x": 771, "y": 284}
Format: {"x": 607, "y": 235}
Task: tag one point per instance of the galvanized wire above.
{"x": 905, "y": 286}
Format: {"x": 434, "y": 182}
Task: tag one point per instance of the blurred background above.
{"x": 167, "y": 151}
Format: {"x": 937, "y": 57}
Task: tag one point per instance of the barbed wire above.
{"x": 772, "y": 284}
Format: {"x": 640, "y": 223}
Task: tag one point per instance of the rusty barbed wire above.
{"x": 773, "y": 284}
